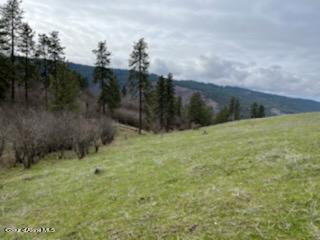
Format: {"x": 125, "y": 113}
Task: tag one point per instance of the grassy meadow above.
{"x": 254, "y": 179}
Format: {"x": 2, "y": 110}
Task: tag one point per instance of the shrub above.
{"x": 85, "y": 134}
{"x": 107, "y": 131}
{"x": 34, "y": 134}
{"x": 127, "y": 116}
{"x": 24, "y": 135}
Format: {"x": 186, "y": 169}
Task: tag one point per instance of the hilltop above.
{"x": 253, "y": 179}
{"x": 219, "y": 96}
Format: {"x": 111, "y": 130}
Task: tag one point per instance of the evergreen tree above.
{"x": 83, "y": 81}
{"x": 3, "y": 38}
{"x": 161, "y": 101}
{"x": 56, "y": 63}
{"x": 232, "y": 105}
{"x": 66, "y": 90}
{"x": 150, "y": 103}
{"x": 170, "y": 101}
{"x": 56, "y": 53}
{"x": 4, "y": 66}
{"x": 237, "y": 110}
{"x": 102, "y": 72}
{"x": 178, "y": 106}
{"x": 12, "y": 14}
{"x": 195, "y": 107}
{"x": 26, "y": 47}
{"x": 254, "y": 110}
{"x": 111, "y": 95}
{"x": 138, "y": 76}
{"x": 223, "y": 116}
{"x": 234, "y": 109}
{"x": 42, "y": 53}
{"x": 198, "y": 112}
{"x": 261, "y": 112}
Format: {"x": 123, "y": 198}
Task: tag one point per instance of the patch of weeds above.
{"x": 171, "y": 181}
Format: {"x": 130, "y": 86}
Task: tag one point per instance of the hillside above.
{"x": 274, "y": 104}
{"x": 255, "y": 179}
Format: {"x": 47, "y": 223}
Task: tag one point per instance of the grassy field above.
{"x": 257, "y": 179}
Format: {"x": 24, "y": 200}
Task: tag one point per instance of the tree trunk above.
{"x": 13, "y": 88}
{"x": 26, "y": 95}
{"x": 13, "y": 82}
{"x": 46, "y": 82}
{"x": 12, "y": 62}
{"x": 46, "y": 97}
{"x": 103, "y": 108}
{"x": 140, "y": 109}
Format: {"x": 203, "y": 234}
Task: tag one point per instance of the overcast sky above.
{"x": 266, "y": 45}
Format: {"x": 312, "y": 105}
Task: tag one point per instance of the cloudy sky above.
{"x": 266, "y": 45}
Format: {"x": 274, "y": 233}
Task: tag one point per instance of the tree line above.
{"x": 25, "y": 62}
{"x": 28, "y": 132}
{"x": 158, "y": 103}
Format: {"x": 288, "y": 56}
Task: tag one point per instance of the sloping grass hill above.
{"x": 256, "y": 179}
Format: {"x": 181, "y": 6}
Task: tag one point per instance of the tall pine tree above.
{"x": 56, "y": 63}
{"x": 4, "y": 66}
{"x": 234, "y": 109}
{"x": 56, "y": 53}
{"x": 42, "y": 53}
{"x": 237, "y": 110}
{"x": 161, "y": 101}
{"x": 138, "y": 76}
{"x": 26, "y": 47}
{"x": 232, "y": 105}
{"x": 102, "y": 73}
{"x": 170, "y": 102}
{"x": 3, "y": 38}
{"x": 254, "y": 110}
{"x": 12, "y": 14}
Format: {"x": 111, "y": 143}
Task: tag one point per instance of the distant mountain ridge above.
{"x": 218, "y": 96}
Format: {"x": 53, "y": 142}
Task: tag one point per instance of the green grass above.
{"x": 257, "y": 179}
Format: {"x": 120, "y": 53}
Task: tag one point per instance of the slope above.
{"x": 256, "y": 179}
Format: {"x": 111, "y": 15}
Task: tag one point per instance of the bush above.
{"x": 107, "y": 131}
{"x": 25, "y": 135}
{"x": 85, "y": 134}
{"x": 127, "y": 116}
{"x": 34, "y": 134}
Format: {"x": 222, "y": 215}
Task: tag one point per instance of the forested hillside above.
{"x": 274, "y": 104}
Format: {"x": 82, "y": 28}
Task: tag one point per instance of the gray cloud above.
{"x": 224, "y": 72}
{"x": 266, "y": 45}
